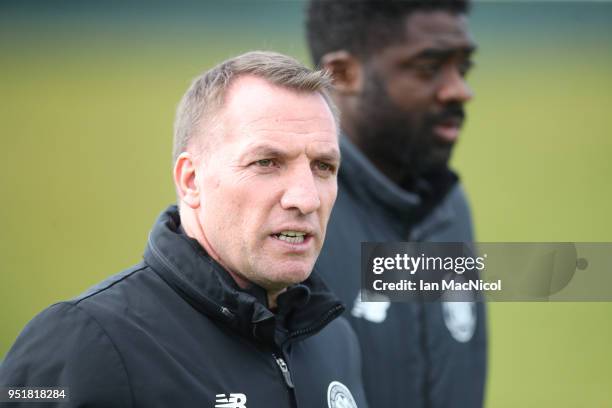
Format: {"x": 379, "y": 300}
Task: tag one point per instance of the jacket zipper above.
{"x": 282, "y": 365}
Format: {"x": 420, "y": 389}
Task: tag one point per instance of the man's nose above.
{"x": 301, "y": 191}
{"x": 454, "y": 88}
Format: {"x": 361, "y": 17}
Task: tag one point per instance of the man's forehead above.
{"x": 294, "y": 121}
{"x": 254, "y": 105}
{"x": 436, "y": 29}
{"x": 287, "y": 135}
{"x": 259, "y": 95}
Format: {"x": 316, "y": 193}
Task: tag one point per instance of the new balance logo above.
{"x": 230, "y": 401}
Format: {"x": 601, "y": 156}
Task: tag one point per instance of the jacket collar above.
{"x": 182, "y": 263}
{"x": 410, "y": 203}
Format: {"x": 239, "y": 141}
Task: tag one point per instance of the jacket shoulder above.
{"x": 457, "y": 198}
{"x": 65, "y": 346}
{"x": 461, "y": 214}
{"x": 108, "y": 283}
{"x": 449, "y": 221}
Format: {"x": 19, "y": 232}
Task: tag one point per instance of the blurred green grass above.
{"x": 86, "y": 124}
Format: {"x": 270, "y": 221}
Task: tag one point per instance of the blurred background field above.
{"x": 88, "y": 97}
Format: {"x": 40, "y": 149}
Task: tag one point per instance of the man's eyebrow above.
{"x": 328, "y": 155}
{"x": 268, "y": 150}
{"x": 443, "y": 53}
{"x": 264, "y": 150}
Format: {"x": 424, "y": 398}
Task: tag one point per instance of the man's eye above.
{"x": 324, "y": 167}
{"x": 465, "y": 67}
{"x": 265, "y": 163}
{"x": 428, "y": 69}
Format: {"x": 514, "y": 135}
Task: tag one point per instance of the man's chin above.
{"x": 294, "y": 276}
{"x": 437, "y": 159}
{"x": 287, "y": 273}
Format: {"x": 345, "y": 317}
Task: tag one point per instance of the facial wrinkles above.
{"x": 246, "y": 198}
{"x": 325, "y": 150}
{"x": 269, "y": 145}
{"x": 268, "y": 215}
{"x": 298, "y": 125}
{"x": 272, "y": 145}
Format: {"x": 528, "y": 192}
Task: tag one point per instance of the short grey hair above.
{"x": 206, "y": 94}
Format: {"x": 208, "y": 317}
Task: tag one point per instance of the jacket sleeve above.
{"x": 65, "y": 347}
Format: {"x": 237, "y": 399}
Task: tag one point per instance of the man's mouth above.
{"x": 448, "y": 129}
{"x": 291, "y": 237}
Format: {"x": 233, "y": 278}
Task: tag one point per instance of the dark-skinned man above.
{"x": 399, "y": 70}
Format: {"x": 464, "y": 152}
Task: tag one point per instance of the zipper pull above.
{"x": 284, "y": 369}
{"x": 226, "y": 312}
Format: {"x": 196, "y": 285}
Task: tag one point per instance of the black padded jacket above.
{"x": 176, "y": 331}
{"x": 414, "y": 354}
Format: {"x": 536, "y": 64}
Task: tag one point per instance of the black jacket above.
{"x": 414, "y": 354}
{"x": 176, "y": 331}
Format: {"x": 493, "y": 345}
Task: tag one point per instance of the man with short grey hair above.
{"x": 224, "y": 310}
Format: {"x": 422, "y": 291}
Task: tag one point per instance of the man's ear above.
{"x": 346, "y": 71}
{"x": 185, "y": 180}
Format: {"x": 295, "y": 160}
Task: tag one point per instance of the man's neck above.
{"x": 272, "y": 296}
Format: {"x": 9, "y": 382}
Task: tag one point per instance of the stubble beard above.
{"x": 402, "y": 145}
